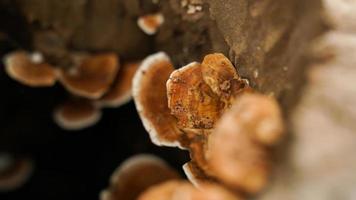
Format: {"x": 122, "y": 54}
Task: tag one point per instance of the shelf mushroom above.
{"x": 150, "y": 23}
{"x": 237, "y": 153}
{"x": 182, "y": 190}
{"x": 149, "y": 93}
{"x": 121, "y": 90}
{"x": 14, "y": 172}
{"x": 76, "y": 114}
{"x": 135, "y": 175}
{"x": 30, "y": 69}
{"x": 90, "y": 76}
{"x": 200, "y": 97}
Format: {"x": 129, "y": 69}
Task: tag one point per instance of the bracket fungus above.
{"x": 30, "y": 69}
{"x": 121, "y": 90}
{"x": 91, "y": 76}
{"x": 182, "y": 190}
{"x": 14, "y": 172}
{"x": 150, "y": 23}
{"x": 149, "y": 93}
{"x": 237, "y": 152}
{"x": 135, "y": 175}
{"x": 217, "y": 117}
{"x": 76, "y": 114}
{"x": 198, "y": 94}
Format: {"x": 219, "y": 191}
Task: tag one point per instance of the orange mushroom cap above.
{"x": 121, "y": 91}
{"x": 150, "y": 23}
{"x": 92, "y": 77}
{"x": 135, "y": 175}
{"x": 150, "y": 96}
{"x": 237, "y": 151}
{"x": 29, "y": 69}
{"x": 190, "y": 99}
{"x": 182, "y": 190}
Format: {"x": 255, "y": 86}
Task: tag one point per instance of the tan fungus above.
{"x": 181, "y": 190}
{"x": 29, "y": 69}
{"x": 76, "y": 114}
{"x": 121, "y": 91}
{"x": 150, "y": 23}
{"x": 135, "y": 175}
{"x": 149, "y": 93}
{"x": 238, "y": 152}
{"x": 90, "y": 76}
{"x": 225, "y": 126}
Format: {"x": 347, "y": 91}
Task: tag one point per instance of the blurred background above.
{"x": 67, "y": 164}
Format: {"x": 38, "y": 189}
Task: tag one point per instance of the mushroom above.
{"x": 198, "y": 94}
{"x": 182, "y": 190}
{"x": 121, "y": 91}
{"x": 14, "y": 172}
{"x": 225, "y": 126}
{"x": 149, "y": 93}
{"x": 237, "y": 152}
{"x": 76, "y": 114}
{"x": 190, "y": 99}
{"x": 30, "y": 69}
{"x": 150, "y": 23}
{"x": 135, "y": 175}
{"x": 91, "y": 76}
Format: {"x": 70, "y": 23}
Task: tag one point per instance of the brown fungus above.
{"x": 222, "y": 77}
{"x": 135, "y": 175}
{"x": 190, "y": 99}
{"x": 237, "y": 151}
{"x": 30, "y": 69}
{"x": 150, "y": 23}
{"x": 181, "y": 190}
{"x": 76, "y": 114}
{"x": 121, "y": 91}
{"x": 198, "y": 94}
{"x": 150, "y": 96}
{"x": 225, "y": 126}
{"x": 91, "y": 76}
{"x": 14, "y": 171}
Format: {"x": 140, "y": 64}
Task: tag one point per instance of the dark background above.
{"x": 68, "y": 165}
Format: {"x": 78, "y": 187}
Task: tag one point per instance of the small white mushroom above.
{"x": 150, "y": 23}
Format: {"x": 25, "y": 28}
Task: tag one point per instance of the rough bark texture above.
{"x": 266, "y": 40}
{"x": 320, "y": 165}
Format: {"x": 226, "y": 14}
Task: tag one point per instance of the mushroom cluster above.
{"x": 208, "y": 109}
{"x": 94, "y": 82}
